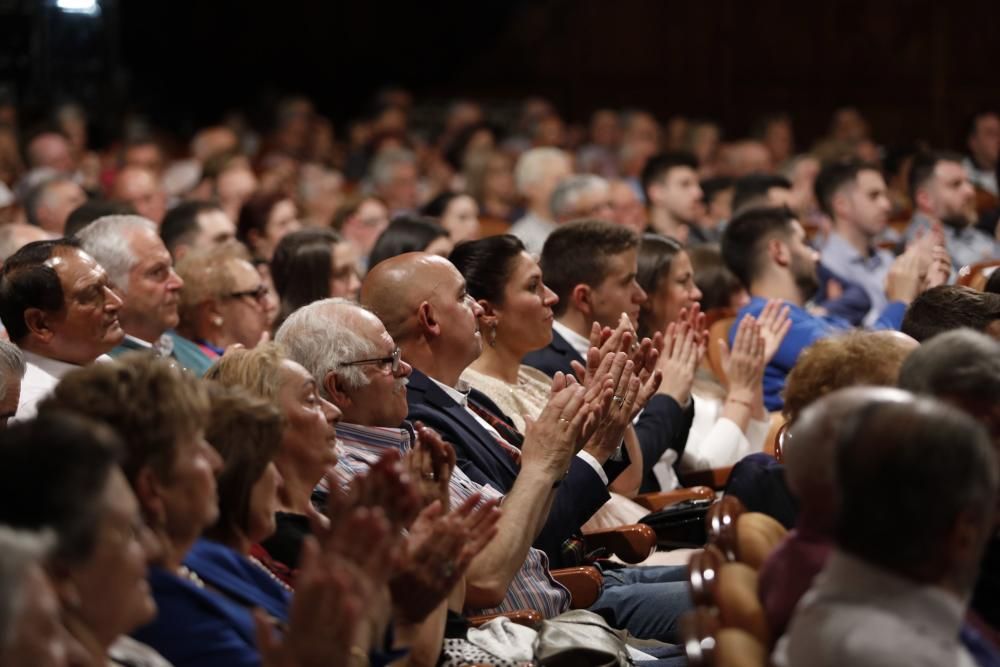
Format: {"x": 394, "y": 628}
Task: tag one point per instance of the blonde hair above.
{"x": 257, "y": 370}
{"x": 207, "y": 274}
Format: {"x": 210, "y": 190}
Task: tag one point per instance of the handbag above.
{"x": 681, "y": 525}
{"x": 580, "y": 638}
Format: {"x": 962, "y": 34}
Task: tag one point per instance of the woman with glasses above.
{"x": 223, "y": 301}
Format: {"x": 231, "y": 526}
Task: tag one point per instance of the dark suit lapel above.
{"x": 436, "y": 396}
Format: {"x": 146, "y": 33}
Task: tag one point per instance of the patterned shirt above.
{"x": 359, "y": 447}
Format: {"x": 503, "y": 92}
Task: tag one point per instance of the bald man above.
{"x": 422, "y": 301}
{"x": 809, "y": 461}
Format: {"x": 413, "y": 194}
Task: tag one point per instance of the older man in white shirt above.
{"x": 60, "y": 309}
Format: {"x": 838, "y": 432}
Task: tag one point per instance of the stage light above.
{"x": 88, "y": 7}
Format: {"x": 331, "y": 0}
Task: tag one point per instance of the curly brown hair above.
{"x": 151, "y": 403}
{"x": 857, "y": 358}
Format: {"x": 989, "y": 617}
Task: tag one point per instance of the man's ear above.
{"x": 655, "y": 190}
{"x": 489, "y": 316}
{"x": 778, "y": 252}
{"x": 336, "y": 390}
{"x": 37, "y": 321}
{"x": 427, "y": 320}
{"x": 580, "y": 298}
{"x": 148, "y": 492}
{"x": 922, "y": 200}
{"x": 840, "y": 204}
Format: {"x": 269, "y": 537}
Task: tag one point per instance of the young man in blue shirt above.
{"x": 766, "y": 249}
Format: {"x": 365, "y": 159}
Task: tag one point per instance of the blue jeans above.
{"x": 646, "y": 601}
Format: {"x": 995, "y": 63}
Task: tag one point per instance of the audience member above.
{"x": 626, "y": 207}
{"x": 916, "y": 487}
{"x": 673, "y": 196}
{"x": 410, "y": 234}
{"x": 537, "y": 173}
{"x": 140, "y": 268}
{"x": 15, "y": 236}
{"x": 766, "y": 250}
{"x": 320, "y": 194}
{"x": 863, "y": 358}
{"x": 222, "y": 300}
{"x": 395, "y": 179}
{"x": 591, "y": 266}
{"x": 809, "y": 462}
{"x": 361, "y": 223}
{"x": 982, "y": 143}
{"x": 60, "y": 472}
{"x": 945, "y": 201}
{"x": 962, "y": 367}
{"x": 457, "y": 213}
{"x": 729, "y": 422}
{"x": 948, "y": 307}
{"x": 12, "y": 369}
{"x": 49, "y": 203}
{"x": 720, "y": 288}
{"x": 313, "y": 264}
{"x": 91, "y": 210}
{"x": 31, "y": 631}
{"x": 61, "y": 310}
{"x": 759, "y": 191}
{"x": 139, "y": 187}
{"x": 579, "y": 197}
{"x": 424, "y": 304}
{"x": 264, "y": 220}
{"x": 195, "y": 225}
{"x": 855, "y": 197}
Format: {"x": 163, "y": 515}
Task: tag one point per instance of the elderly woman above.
{"x": 728, "y": 424}
{"x": 305, "y": 455}
{"x": 60, "y": 472}
{"x": 209, "y": 594}
{"x": 222, "y": 302}
{"x": 313, "y": 264}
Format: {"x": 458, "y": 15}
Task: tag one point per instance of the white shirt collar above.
{"x": 54, "y": 367}
{"x": 575, "y": 340}
{"x": 459, "y": 394}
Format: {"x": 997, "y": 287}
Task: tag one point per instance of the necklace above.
{"x": 272, "y": 575}
{"x": 189, "y": 574}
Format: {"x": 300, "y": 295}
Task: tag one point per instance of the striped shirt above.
{"x": 359, "y": 447}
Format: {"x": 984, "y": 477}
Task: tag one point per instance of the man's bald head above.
{"x": 395, "y": 288}
{"x": 809, "y": 450}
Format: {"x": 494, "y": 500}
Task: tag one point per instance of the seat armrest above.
{"x": 632, "y": 543}
{"x": 526, "y": 617}
{"x": 584, "y": 584}
{"x": 654, "y": 502}
{"x": 714, "y": 478}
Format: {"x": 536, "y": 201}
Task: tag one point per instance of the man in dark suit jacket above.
{"x": 591, "y": 266}
{"x": 422, "y": 301}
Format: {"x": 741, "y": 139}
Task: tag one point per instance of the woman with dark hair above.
{"x": 719, "y": 287}
{"x": 728, "y": 424}
{"x": 410, "y": 234}
{"x": 264, "y": 220}
{"x": 458, "y": 213}
{"x": 313, "y": 264}
{"x": 507, "y": 282}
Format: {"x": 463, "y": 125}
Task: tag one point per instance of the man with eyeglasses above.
{"x": 357, "y": 366}
{"x": 60, "y": 309}
{"x": 142, "y": 273}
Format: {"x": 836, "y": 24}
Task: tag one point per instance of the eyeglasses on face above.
{"x": 392, "y": 361}
{"x": 259, "y": 294}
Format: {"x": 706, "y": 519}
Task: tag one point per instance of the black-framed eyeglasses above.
{"x": 392, "y": 361}
{"x": 258, "y": 294}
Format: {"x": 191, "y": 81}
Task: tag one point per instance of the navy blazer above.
{"x": 484, "y": 460}
{"x": 662, "y": 425}
{"x": 202, "y": 627}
